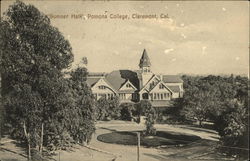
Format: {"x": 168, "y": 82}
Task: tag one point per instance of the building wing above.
{"x": 119, "y": 77}
{"x": 171, "y": 79}
{"x": 92, "y": 81}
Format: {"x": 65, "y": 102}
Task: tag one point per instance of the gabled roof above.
{"x": 174, "y": 88}
{"x": 127, "y": 90}
{"x": 144, "y": 87}
{"x": 161, "y": 82}
{"x": 171, "y": 79}
{"x": 101, "y": 81}
{"x": 144, "y": 61}
{"x": 92, "y": 81}
{"x": 118, "y": 77}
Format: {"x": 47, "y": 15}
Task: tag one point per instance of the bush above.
{"x": 232, "y": 125}
{"x": 108, "y": 109}
{"x": 151, "y": 117}
{"x": 127, "y": 111}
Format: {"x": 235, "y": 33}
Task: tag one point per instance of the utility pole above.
{"x": 138, "y": 146}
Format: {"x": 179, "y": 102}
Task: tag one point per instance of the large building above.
{"x": 133, "y": 86}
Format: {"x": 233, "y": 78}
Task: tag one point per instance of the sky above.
{"x": 197, "y": 37}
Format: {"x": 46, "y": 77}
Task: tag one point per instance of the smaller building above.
{"x": 133, "y": 86}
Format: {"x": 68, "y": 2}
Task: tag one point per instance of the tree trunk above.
{"x": 200, "y": 123}
{"x": 28, "y": 140}
{"x": 41, "y": 143}
{"x": 29, "y": 153}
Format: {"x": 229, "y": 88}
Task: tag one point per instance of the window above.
{"x": 102, "y": 87}
{"x": 134, "y": 96}
{"x": 161, "y": 96}
{"x": 151, "y": 96}
{"x": 122, "y": 96}
{"x": 165, "y": 95}
{"x": 161, "y": 86}
{"x": 128, "y": 85}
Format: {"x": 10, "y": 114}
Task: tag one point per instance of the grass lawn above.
{"x": 162, "y": 138}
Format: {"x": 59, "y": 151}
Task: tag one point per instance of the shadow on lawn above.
{"x": 162, "y": 138}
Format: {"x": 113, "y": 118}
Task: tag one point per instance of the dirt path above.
{"x": 200, "y": 150}
{"x": 99, "y": 151}
{"x": 10, "y": 150}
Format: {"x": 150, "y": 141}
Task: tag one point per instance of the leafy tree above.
{"x": 141, "y": 107}
{"x": 2, "y": 112}
{"x": 197, "y": 107}
{"x": 232, "y": 125}
{"x": 102, "y": 109}
{"x": 174, "y": 111}
{"x": 84, "y": 111}
{"x": 127, "y": 111}
{"x": 108, "y": 108}
{"x": 149, "y": 111}
{"x": 114, "y": 110}
{"x": 224, "y": 101}
{"x": 33, "y": 56}
{"x": 23, "y": 105}
{"x": 84, "y": 61}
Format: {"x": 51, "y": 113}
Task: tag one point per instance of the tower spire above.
{"x": 144, "y": 61}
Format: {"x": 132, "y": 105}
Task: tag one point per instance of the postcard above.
{"x": 124, "y": 80}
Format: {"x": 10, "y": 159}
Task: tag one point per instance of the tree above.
{"x": 114, "y": 110}
{"x": 84, "y": 61}
{"x": 33, "y": 56}
{"x": 2, "y": 111}
{"x": 127, "y": 111}
{"x": 232, "y": 125}
{"x": 224, "y": 101}
{"x": 102, "y": 109}
{"x": 149, "y": 111}
{"x": 108, "y": 108}
{"x": 198, "y": 106}
{"x": 84, "y": 110}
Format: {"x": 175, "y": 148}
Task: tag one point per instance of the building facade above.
{"x": 133, "y": 86}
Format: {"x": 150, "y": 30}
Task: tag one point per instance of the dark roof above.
{"x": 92, "y": 81}
{"x": 161, "y": 103}
{"x": 144, "y": 61}
{"x": 118, "y": 77}
{"x": 171, "y": 79}
{"x": 174, "y": 88}
{"x": 92, "y": 74}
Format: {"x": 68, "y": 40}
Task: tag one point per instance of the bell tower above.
{"x": 145, "y": 69}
